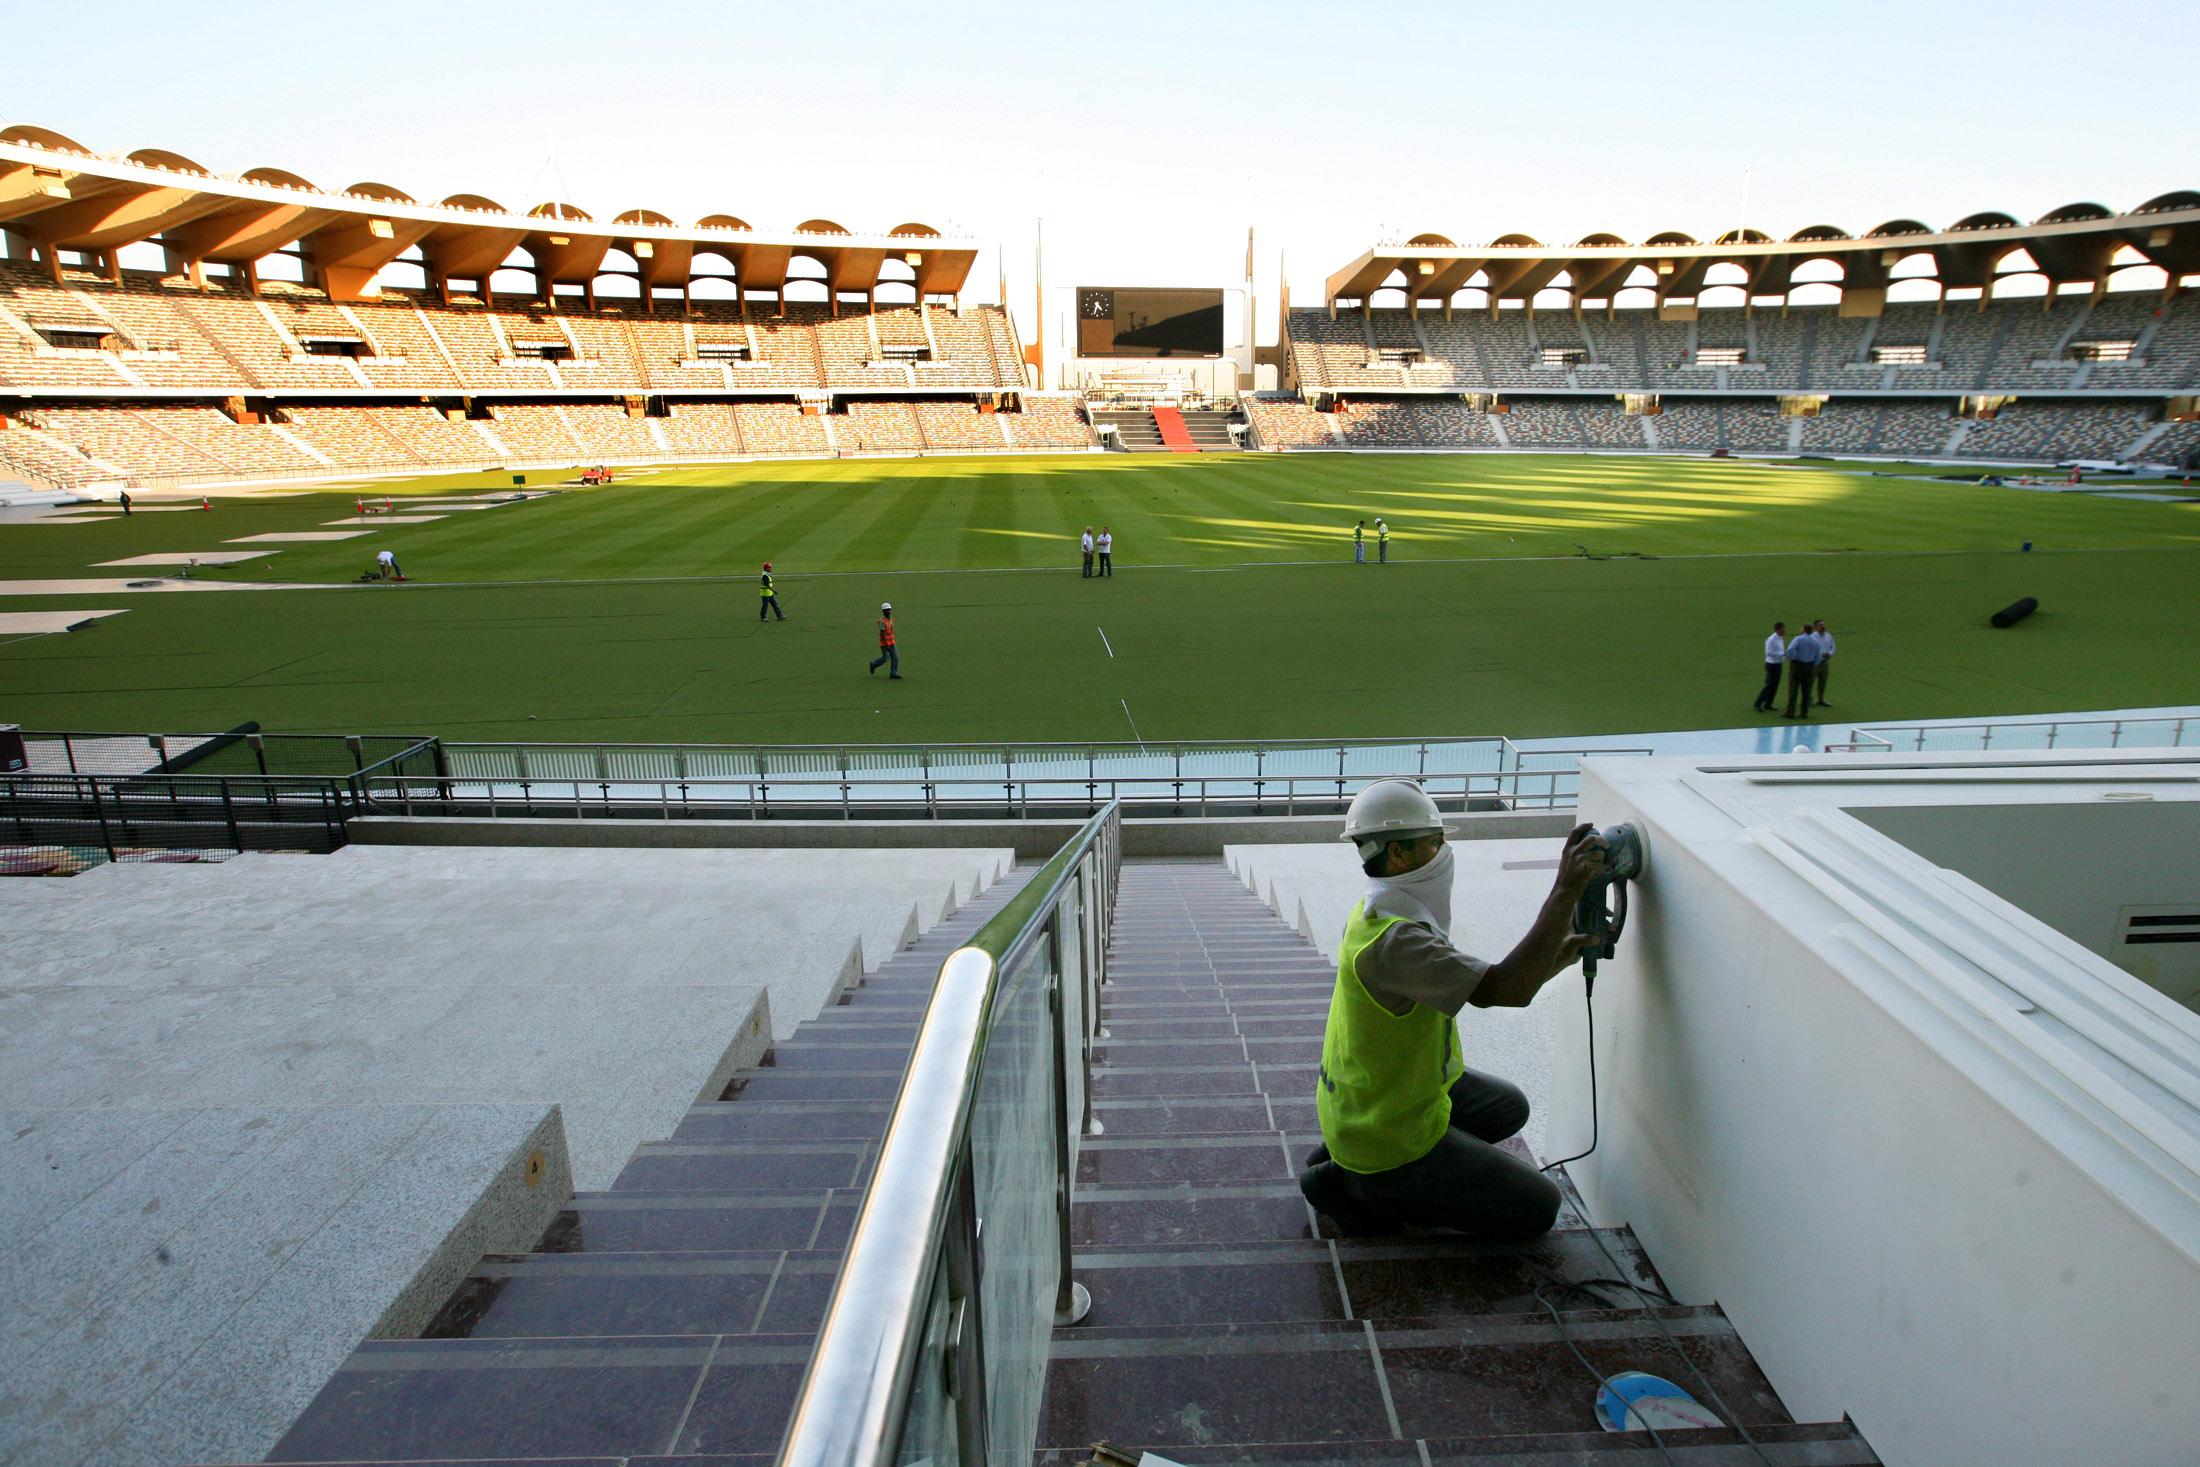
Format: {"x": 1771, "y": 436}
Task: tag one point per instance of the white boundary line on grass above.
{"x": 1104, "y": 640}
{"x": 1133, "y": 723}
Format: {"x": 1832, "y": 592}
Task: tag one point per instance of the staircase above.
{"x": 1174, "y": 436}
{"x": 675, "y": 1312}
{"x": 1226, "y": 1326}
{"x": 1168, "y": 430}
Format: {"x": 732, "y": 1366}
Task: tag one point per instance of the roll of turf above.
{"x": 2016, "y": 611}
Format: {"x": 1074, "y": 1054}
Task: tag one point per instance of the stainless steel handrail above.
{"x": 918, "y": 1213}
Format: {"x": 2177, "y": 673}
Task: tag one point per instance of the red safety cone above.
{"x": 359, "y": 506}
{"x": 205, "y": 503}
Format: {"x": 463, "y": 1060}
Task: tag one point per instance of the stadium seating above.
{"x": 1286, "y": 423}
{"x": 1051, "y": 422}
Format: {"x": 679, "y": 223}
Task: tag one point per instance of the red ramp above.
{"x": 1174, "y": 435}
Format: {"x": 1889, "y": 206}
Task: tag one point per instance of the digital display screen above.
{"x": 1115, "y": 321}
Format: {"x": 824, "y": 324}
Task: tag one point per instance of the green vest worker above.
{"x": 770, "y": 603}
{"x": 1409, "y": 1134}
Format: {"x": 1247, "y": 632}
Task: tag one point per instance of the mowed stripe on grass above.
{"x": 1441, "y": 641}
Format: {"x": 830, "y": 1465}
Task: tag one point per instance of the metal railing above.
{"x": 934, "y": 1343}
{"x": 118, "y": 815}
{"x": 1019, "y": 797}
{"x": 111, "y": 796}
{"x": 2168, "y": 732}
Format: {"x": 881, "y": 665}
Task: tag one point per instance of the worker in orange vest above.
{"x": 886, "y": 653}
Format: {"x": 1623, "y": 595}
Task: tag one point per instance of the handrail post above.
{"x": 966, "y": 1332}
{"x": 229, "y": 817}
{"x": 106, "y": 835}
{"x": 1072, "y": 1302}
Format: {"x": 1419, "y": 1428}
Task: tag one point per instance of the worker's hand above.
{"x": 1569, "y": 951}
{"x": 1582, "y": 861}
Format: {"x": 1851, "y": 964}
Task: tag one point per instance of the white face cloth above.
{"x": 1417, "y": 896}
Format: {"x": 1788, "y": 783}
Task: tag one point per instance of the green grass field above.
{"x": 629, "y": 612}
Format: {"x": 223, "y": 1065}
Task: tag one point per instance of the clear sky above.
{"x": 1149, "y": 136}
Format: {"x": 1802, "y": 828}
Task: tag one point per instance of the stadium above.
{"x": 476, "y": 995}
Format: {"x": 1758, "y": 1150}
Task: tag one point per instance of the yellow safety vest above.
{"x": 1383, "y": 1095}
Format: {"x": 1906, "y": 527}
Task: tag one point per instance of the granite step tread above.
{"x": 664, "y": 1292}
{"x": 1798, "y": 1444}
{"x": 1410, "y": 1378}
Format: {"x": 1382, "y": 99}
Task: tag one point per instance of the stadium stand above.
{"x": 1051, "y": 422}
{"x": 1285, "y": 423}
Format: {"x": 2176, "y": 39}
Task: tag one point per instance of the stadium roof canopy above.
{"x": 57, "y": 195}
{"x": 2078, "y": 243}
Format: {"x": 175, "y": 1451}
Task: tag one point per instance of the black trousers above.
{"x": 1464, "y": 1182}
{"x": 1088, "y": 562}
{"x": 1772, "y": 685}
{"x": 769, "y": 604}
{"x": 1802, "y": 678}
{"x": 1107, "y": 562}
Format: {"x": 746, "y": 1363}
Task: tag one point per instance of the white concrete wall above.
{"x": 2132, "y": 854}
{"x": 1908, "y": 1217}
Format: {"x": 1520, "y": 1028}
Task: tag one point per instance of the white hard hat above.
{"x": 1390, "y": 809}
{"x": 886, "y": 606}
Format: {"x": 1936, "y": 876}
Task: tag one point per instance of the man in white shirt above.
{"x": 1775, "y": 660}
{"x": 1825, "y": 659}
{"x": 388, "y": 562}
{"x": 1802, "y": 671}
{"x": 1085, "y": 544}
{"x": 1106, "y": 544}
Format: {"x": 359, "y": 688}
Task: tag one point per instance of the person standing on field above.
{"x": 1359, "y": 543}
{"x": 1107, "y": 553}
{"x": 1776, "y": 653}
{"x": 1825, "y": 659}
{"x": 1085, "y": 543}
{"x": 1382, "y": 541}
{"x": 770, "y": 594}
{"x": 1802, "y": 670}
{"x": 886, "y": 651}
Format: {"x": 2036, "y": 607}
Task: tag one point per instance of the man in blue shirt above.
{"x": 1802, "y": 659}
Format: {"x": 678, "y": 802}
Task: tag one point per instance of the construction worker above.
{"x": 886, "y": 653}
{"x": 1382, "y": 541}
{"x": 1409, "y": 1134}
{"x": 770, "y": 601}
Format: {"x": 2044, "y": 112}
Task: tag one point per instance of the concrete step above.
{"x": 745, "y": 1166}
{"x": 1796, "y": 1444}
{"x": 494, "y": 1399}
{"x": 1251, "y": 1382}
{"x": 699, "y": 1292}
{"x": 645, "y": 1222}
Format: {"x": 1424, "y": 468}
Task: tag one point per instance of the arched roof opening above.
{"x": 721, "y": 221}
{"x": 2073, "y": 213}
{"x": 2138, "y": 277}
{"x": 553, "y": 209}
{"x": 1516, "y": 242}
{"x": 1818, "y": 270}
{"x": 1818, "y": 231}
{"x": 1670, "y": 237}
{"x": 1395, "y": 280}
{"x": 1897, "y": 226}
{"x": 1743, "y": 236}
{"x": 42, "y": 137}
{"x": 895, "y": 268}
{"x": 520, "y": 259}
{"x": 1552, "y": 298}
{"x": 1726, "y": 272}
{"x": 2183, "y": 198}
{"x": 642, "y": 216}
{"x": 2017, "y": 261}
{"x": 1599, "y": 240}
{"x": 819, "y": 226}
{"x": 1642, "y": 277}
{"x": 1721, "y": 297}
{"x": 382, "y": 191}
{"x": 713, "y": 288}
{"x": 1634, "y": 298}
{"x": 1470, "y": 297}
{"x": 1430, "y": 242}
{"x": 278, "y": 178}
{"x": 1915, "y": 289}
{"x": 1986, "y": 219}
{"x": 1814, "y": 293}
{"x": 913, "y": 231}
{"x": 1918, "y": 265}
{"x": 474, "y": 201}
{"x": 618, "y": 262}
{"x": 162, "y": 158}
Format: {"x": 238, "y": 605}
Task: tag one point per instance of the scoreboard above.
{"x": 1114, "y": 321}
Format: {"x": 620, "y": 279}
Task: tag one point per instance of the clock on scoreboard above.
{"x": 1118, "y": 321}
